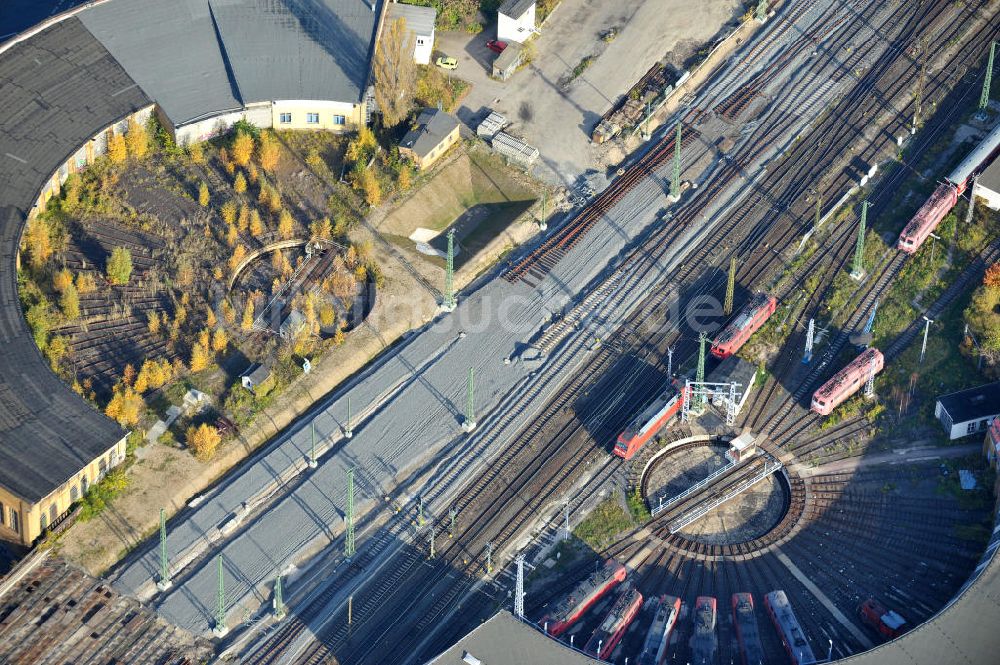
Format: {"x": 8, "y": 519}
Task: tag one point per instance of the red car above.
{"x": 496, "y": 46}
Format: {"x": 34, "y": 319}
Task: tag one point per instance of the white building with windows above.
{"x": 420, "y": 21}
{"x": 970, "y": 411}
{"x": 516, "y": 20}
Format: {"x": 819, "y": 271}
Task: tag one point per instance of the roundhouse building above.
{"x": 69, "y": 83}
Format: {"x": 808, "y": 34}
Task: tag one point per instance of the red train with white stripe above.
{"x": 607, "y": 636}
{"x": 753, "y": 315}
{"x": 846, "y": 382}
{"x": 588, "y": 592}
{"x": 946, "y": 194}
{"x": 654, "y": 649}
{"x": 650, "y": 421}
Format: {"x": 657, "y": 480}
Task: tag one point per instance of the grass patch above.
{"x": 604, "y": 522}
{"x": 637, "y": 507}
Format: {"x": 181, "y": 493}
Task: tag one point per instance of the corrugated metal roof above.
{"x": 298, "y": 49}
{"x": 418, "y": 19}
{"x": 515, "y": 8}
{"x": 171, "y": 50}
{"x": 503, "y": 640}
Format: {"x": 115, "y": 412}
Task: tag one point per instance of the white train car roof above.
{"x": 975, "y": 158}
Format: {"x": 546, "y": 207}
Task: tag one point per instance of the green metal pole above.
{"x": 164, "y": 582}
{"x": 675, "y": 180}
{"x": 279, "y": 603}
{"x": 349, "y": 517}
{"x": 700, "y": 376}
{"x": 984, "y": 99}
{"x": 859, "y": 251}
{"x": 730, "y": 287}
{"x": 220, "y": 612}
{"x": 470, "y": 408}
{"x": 449, "y": 275}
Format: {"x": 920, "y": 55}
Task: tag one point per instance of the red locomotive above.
{"x": 654, "y": 649}
{"x": 747, "y": 322}
{"x": 747, "y": 631}
{"x": 650, "y": 421}
{"x": 946, "y": 194}
{"x": 607, "y": 636}
{"x": 588, "y": 592}
{"x": 788, "y": 628}
{"x": 887, "y": 622}
{"x": 846, "y": 382}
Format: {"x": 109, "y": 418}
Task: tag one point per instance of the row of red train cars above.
{"x": 666, "y": 610}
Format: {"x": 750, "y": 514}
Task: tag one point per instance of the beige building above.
{"x": 435, "y": 132}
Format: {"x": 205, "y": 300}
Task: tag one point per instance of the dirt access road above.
{"x": 557, "y": 118}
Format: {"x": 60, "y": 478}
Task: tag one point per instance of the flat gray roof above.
{"x": 418, "y": 19}
{"x": 171, "y": 50}
{"x": 298, "y": 49}
{"x": 503, "y": 640}
{"x": 59, "y": 89}
{"x": 515, "y": 8}
{"x": 199, "y": 58}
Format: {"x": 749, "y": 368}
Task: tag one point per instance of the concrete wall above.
{"x": 354, "y": 115}
{"x": 989, "y": 197}
{"x": 31, "y": 516}
{"x": 516, "y": 29}
{"x": 203, "y": 130}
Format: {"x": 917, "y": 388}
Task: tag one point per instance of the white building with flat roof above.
{"x": 516, "y": 20}
{"x": 420, "y": 22}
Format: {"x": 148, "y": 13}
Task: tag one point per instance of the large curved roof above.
{"x": 57, "y": 89}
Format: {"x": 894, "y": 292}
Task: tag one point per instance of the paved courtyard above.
{"x": 556, "y": 118}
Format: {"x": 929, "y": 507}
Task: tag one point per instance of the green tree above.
{"x": 38, "y": 239}
{"x": 119, "y": 267}
{"x": 69, "y": 302}
{"x": 395, "y": 73}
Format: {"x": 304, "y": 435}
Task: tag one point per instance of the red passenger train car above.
{"x": 846, "y": 382}
{"x": 650, "y": 421}
{"x": 607, "y": 636}
{"x": 753, "y": 315}
{"x": 586, "y": 593}
{"x": 946, "y": 194}
{"x": 788, "y": 628}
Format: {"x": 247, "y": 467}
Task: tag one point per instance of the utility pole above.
{"x": 220, "y": 629}
{"x": 279, "y": 604}
{"x": 675, "y": 180}
{"x": 542, "y": 223}
{"x": 519, "y": 589}
{"x": 870, "y": 383}
{"x": 984, "y": 99}
{"x": 700, "y": 375}
{"x": 810, "y": 334}
{"x": 420, "y": 510}
{"x": 972, "y": 199}
{"x": 349, "y": 517}
{"x": 566, "y": 530}
{"x": 489, "y": 558}
{"x": 164, "y": 582}
{"x": 923, "y": 347}
{"x": 312, "y": 446}
{"x": 819, "y": 211}
{"x": 762, "y": 11}
{"x": 469, "y": 423}
{"x": 670, "y": 361}
{"x": 449, "y": 276}
{"x": 452, "y": 513}
{"x": 727, "y": 308}
{"x": 858, "y": 270}
{"x": 430, "y": 553}
{"x": 348, "y": 431}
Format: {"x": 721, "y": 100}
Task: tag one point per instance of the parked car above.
{"x": 446, "y": 63}
{"x": 496, "y": 46}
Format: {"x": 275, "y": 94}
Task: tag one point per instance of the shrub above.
{"x": 256, "y": 225}
{"x": 220, "y": 340}
{"x": 57, "y": 349}
{"x": 239, "y": 183}
{"x": 321, "y": 229}
{"x": 203, "y": 196}
{"x": 286, "y": 225}
{"x": 267, "y": 152}
{"x": 117, "y": 150}
{"x": 119, "y": 266}
{"x": 200, "y": 358}
{"x": 242, "y": 148}
{"x": 197, "y": 153}
{"x": 69, "y": 302}
{"x": 238, "y": 255}
{"x": 137, "y": 139}
{"x": 247, "y": 323}
{"x": 85, "y": 283}
{"x": 39, "y": 318}
{"x": 62, "y": 279}
{"x": 38, "y": 239}
{"x": 125, "y": 406}
{"x": 228, "y": 212}
{"x": 153, "y": 322}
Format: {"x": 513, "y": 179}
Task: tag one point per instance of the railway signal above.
{"x": 164, "y": 582}
{"x": 858, "y": 270}
{"x": 923, "y": 347}
{"x": 670, "y": 361}
{"x": 220, "y": 629}
{"x": 700, "y": 375}
{"x": 810, "y": 334}
{"x": 519, "y": 589}
{"x": 279, "y": 604}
